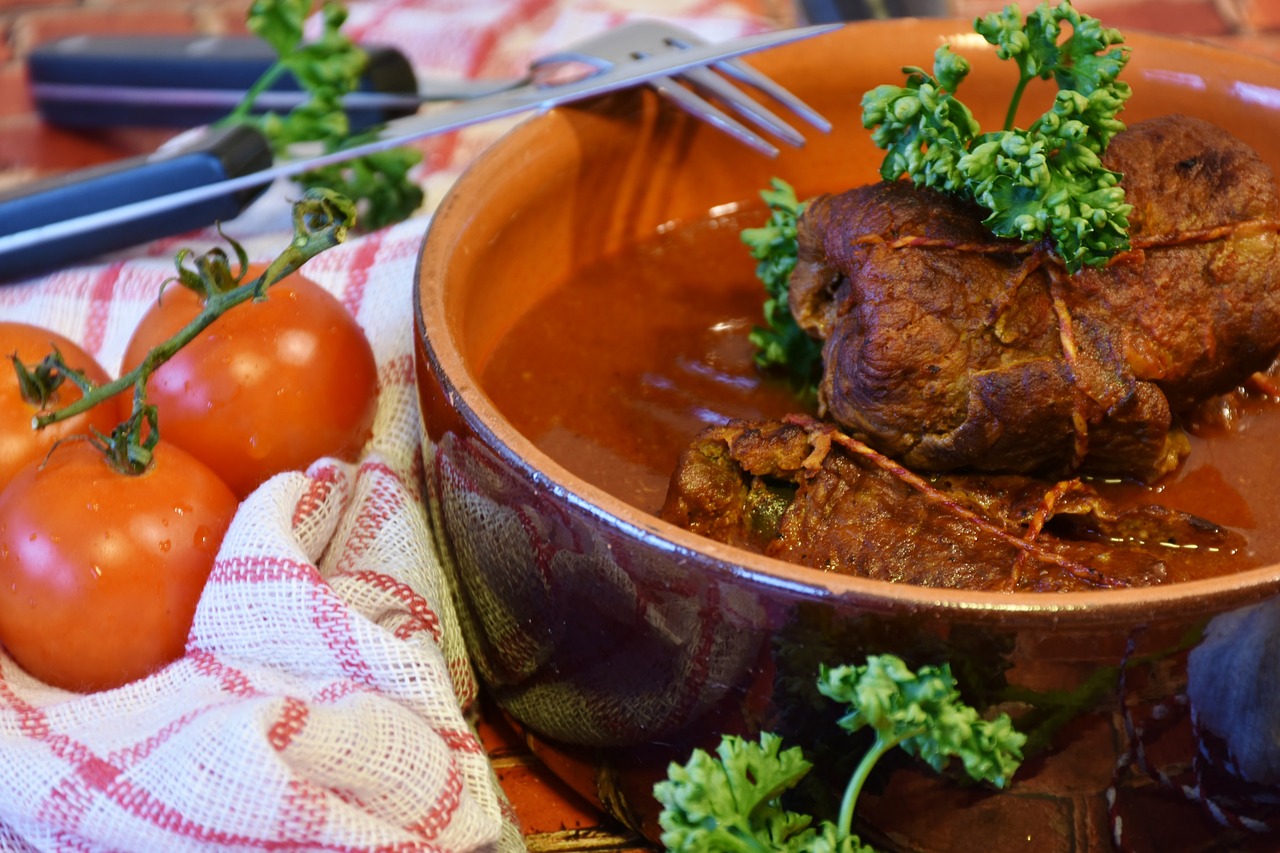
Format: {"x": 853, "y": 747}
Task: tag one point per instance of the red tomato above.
{"x": 19, "y": 443}
{"x": 270, "y": 386}
{"x": 100, "y": 571}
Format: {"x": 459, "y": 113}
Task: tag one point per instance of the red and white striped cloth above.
{"x": 325, "y": 695}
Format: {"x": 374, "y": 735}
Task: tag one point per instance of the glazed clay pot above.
{"x": 618, "y": 642}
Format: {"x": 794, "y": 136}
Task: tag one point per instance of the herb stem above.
{"x": 321, "y": 220}
{"x": 246, "y": 103}
{"x": 844, "y": 825}
{"x": 1016, "y": 99}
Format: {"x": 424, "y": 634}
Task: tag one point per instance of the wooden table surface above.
{"x": 552, "y": 816}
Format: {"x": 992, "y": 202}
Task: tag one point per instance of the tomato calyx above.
{"x": 38, "y": 383}
{"x": 131, "y": 446}
{"x": 321, "y": 219}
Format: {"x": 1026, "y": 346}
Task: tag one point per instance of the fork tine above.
{"x": 703, "y": 109}
{"x": 747, "y": 74}
{"x": 745, "y": 105}
{"x": 638, "y": 39}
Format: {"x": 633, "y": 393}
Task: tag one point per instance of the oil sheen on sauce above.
{"x": 615, "y": 371}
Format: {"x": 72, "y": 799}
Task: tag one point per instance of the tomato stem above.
{"x": 321, "y": 219}
{"x": 38, "y": 383}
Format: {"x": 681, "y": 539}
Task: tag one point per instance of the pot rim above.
{"x": 1137, "y": 606}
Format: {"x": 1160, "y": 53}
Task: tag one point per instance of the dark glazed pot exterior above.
{"x": 619, "y": 642}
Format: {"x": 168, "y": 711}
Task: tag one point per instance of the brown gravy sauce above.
{"x": 616, "y": 370}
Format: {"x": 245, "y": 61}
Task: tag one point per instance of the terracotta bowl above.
{"x": 618, "y": 641}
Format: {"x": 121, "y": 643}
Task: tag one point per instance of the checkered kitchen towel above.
{"x": 337, "y": 716}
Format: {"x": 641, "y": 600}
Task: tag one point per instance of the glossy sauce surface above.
{"x": 615, "y": 371}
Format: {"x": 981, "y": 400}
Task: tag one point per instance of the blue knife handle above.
{"x": 103, "y": 81}
{"x": 214, "y": 156}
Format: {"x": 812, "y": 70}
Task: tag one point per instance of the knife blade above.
{"x": 44, "y": 226}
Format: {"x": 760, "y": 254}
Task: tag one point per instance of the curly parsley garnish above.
{"x": 781, "y": 344}
{"x": 732, "y": 801}
{"x": 327, "y": 69}
{"x": 1045, "y": 181}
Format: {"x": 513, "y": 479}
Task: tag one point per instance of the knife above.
{"x": 85, "y": 213}
{"x": 89, "y": 81}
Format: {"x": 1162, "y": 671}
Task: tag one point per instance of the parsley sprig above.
{"x": 327, "y": 69}
{"x": 781, "y": 344}
{"x": 732, "y": 801}
{"x": 1045, "y": 181}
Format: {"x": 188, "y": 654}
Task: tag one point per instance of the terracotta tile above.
{"x": 26, "y": 143}
{"x": 1082, "y": 763}
{"x": 552, "y": 816}
{"x": 936, "y": 814}
{"x": 542, "y": 802}
{"x": 497, "y": 735}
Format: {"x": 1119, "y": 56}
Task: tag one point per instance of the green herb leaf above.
{"x": 781, "y": 344}
{"x": 327, "y": 69}
{"x": 1044, "y": 182}
{"x": 922, "y": 712}
{"x": 922, "y": 126}
{"x": 732, "y": 802}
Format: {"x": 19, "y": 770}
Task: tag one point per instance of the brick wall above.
{"x": 24, "y": 23}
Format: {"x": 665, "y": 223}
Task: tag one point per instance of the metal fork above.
{"x": 641, "y": 39}
{"x": 181, "y": 188}
{"x": 620, "y": 46}
{"x": 636, "y": 40}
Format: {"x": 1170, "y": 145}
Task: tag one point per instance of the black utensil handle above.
{"x": 213, "y": 156}
{"x": 181, "y": 81}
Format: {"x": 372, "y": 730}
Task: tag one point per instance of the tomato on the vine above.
{"x": 269, "y": 386}
{"x": 19, "y": 443}
{"x": 100, "y": 571}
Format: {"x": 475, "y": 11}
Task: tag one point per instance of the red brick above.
{"x": 14, "y": 97}
{"x": 543, "y": 803}
{"x": 36, "y": 27}
{"x": 6, "y": 5}
{"x": 920, "y": 810}
{"x": 497, "y": 734}
{"x": 1080, "y": 764}
{"x": 222, "y": 18}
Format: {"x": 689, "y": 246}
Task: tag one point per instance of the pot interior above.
{"x": 575, "y": 186}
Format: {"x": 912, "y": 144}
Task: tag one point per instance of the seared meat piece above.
{"x": 801, "y": 491}
{"x": 948, "y": 349}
